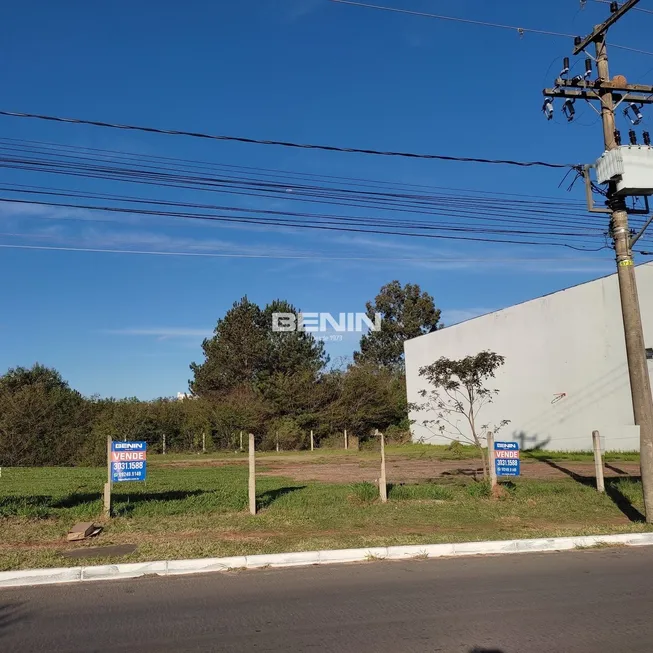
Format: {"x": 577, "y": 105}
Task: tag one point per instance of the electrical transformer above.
{"x": 630, "y": 166}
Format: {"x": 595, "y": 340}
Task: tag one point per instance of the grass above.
{"x": 188, "y": 512}
{"x": 581, "y": 456}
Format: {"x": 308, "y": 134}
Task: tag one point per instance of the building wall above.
{"x": 569, "y": 342}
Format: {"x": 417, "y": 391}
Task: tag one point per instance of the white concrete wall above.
{"x": 571, "y": 341}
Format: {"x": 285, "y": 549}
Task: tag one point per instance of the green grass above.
{"x": 186, "y": 512}
{"x": 581, "y": 456}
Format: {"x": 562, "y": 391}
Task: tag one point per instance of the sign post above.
{"x": 506, "y": 458}
{"x": 107, "y": 485}
{"x": 491, "y": 457}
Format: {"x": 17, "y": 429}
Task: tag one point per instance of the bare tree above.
{"x": 456, "y": 397}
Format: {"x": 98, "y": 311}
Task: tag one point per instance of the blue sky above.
{"x": 300, "y": 70}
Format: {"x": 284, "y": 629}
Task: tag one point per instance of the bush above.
{"x": 480, "y": 490}
{"x": 365, "y": 492}
{"x": 287, "y": 433}
{"x": 397, "y": 435}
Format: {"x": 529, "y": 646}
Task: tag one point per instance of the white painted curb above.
{"x": 203, "y": 565}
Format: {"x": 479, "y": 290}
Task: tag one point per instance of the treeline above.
{"x": 277, "y": 385}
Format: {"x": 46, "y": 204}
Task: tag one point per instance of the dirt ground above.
{"x": 408, "y": 470}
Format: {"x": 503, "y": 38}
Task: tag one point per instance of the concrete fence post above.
{"x": 383, "y": 488}
{"x": 346, "y": 440}
{"x": 312, "y": 441}
{"x": 252, "y": 475}
{"x": 598, "y": 461}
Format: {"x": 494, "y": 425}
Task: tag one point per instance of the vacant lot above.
{"x": 188, "y": 509}
{"x": 405, "y": 464}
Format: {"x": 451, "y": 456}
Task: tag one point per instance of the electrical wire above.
{"x": 513, "y": 28}
{"x": 520, "y": 30}
{"x": 194, "y": 164}
{"x": 607, "y": 2}
{"x": 303, "y": 225}
{"x": 411, "y": 203}
{"x": 307, "y": 146}
{"x": 624, "y": 47}
{"x": 308, "y": 257}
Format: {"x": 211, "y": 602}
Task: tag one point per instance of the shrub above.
{"x": 365, "y": 492}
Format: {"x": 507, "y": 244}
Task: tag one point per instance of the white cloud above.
{"x": 162, "y": 333}
{"x": 299, "y": 8}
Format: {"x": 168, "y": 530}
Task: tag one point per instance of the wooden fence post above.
{"x": 252, "y": 475}
{"x": 383, "y": 488}
{"x": 312, "y": 441}
{"x": 203, "y": 441}
{"x": 164, "y": 444}
{"x": 277, "y": 437}
{"x": 107, "y": 485}
{"x": 346, "y": 440}
{"x": 241, "y": 440}
{"x": 490, "y": 459}
{"x": 598, "y": 461}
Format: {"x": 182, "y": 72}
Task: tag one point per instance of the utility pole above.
{"x": 610, "y": 94}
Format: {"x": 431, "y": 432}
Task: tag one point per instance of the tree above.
{"x": 47, "y": 378}
{"x": 236, "y": 353}
{"x": 42, "y": 420}
{"x": 369, "y": 398}
{"x": 245, "y": 351}
{"x": 458, "y": 394}
{"x": 406, "y": 312}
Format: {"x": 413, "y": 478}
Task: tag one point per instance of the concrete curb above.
{"x": 304, "y": 558}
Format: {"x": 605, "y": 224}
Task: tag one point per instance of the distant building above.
{"x": 565, "y": 373}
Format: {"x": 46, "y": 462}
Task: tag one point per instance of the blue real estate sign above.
{"x": 506, "y": 458}
{"x": 128, "y": 461}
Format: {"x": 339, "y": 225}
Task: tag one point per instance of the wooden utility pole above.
{"x": 490, "y": 458}
{"x": 252, "y": 475}
{"x": 598, "y": 461}
{"x": 383, "y": 488}
{"x": 610, "y": 94}
{"x": 108, "y": 484}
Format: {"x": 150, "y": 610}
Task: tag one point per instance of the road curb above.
{"x": 27, "y": 577}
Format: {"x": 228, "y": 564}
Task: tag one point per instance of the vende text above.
{"x": 118, "y": 456}
{"x": 506, "y": 454}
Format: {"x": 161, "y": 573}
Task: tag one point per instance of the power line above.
{"x": 607, "y": 2}
{"x": 307, "y": 146}
{"x": 30, "y": 145}
{"x": 302, "y": 225}
{"x": 308, "y": 257}
{"x": 520, "y": 30}
{"x": 624, "y": 47}
{"x": 291, "y": 191}
{"x": 512, "y": 28}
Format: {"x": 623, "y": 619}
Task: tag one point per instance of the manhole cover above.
{"x": 101, "y": 551}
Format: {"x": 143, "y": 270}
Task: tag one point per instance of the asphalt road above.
{"x": 580, "y": 602}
